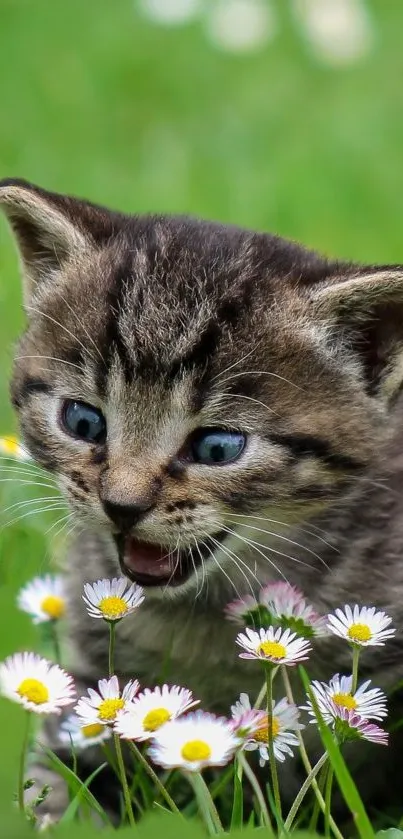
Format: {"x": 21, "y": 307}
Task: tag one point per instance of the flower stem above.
{"x": 303, "y": 791}
{"x": 56, "y": 643}
{"x": 206, "y": 803}
{"x": 258, "y": 792}
{"x": 261, "y": 695}
{"x": 305, "y": 759}
{"x": 270, "y": 743}
{"x": 23, "y": 760}
{"x": 123, "y": 780}
{"x": 154, "y": 777}
{"x": 356, "y": 656}
{"x": 328, "y": 799}
{"x": 112, "y": 636}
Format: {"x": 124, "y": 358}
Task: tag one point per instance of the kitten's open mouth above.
{"x": 157, "y": 565}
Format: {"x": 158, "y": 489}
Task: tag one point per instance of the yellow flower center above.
{"x": 272, "y": 649}
{"x": 10, "y": 445}
{"x": 195, "y": 750}
{"x": 109, "y": 707}
{"x": 262, "y": 734}
{"x": 345, "y": 700}
{"x": 34, "y": 691}
{"x": 92, "y": 730}
{"x": 156, "y": 718}
{"x": 53, "y": 606}
{"x": 359, "y": 632}
{"x": 113, "y": 607}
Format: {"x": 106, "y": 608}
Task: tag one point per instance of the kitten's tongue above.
{"x": 146, "y": 560}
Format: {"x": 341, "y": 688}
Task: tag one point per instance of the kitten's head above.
{"x": 182, "y": 378}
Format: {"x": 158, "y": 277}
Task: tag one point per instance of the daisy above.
{"x": 102, "y": 706}
{"x": 346, "y": 722}
{"x": 273, "y": 645}
{"x": 151, "y": 709}
{"x": 112, "y": 599}
{"x": 194, "y": 742}
{"x": 245, "y": 612}
{"x": 73, "y": 732}
{"x": 36, "y": 683}
{"x": 369, "y": 704}
{"x": 43, "y": 598}
{"x": 284, "y": 722}
{"x": 350, "y": 726}
{"x": 364, "y": 626}
{"x": 288, "y": 607}
{"x": 245, "y": 720}
{"x": 11, "y": 447}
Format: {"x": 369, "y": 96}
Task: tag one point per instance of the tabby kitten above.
{"x": 220, "y": 408}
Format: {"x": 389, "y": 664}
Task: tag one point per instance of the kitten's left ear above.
{"x": 367, "y": 309}
{"x": 49, "y": 229}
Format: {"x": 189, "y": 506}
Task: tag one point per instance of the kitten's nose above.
{"x": 126, "y": 516}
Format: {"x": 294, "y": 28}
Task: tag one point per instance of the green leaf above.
{"x": 237, "y": 807}
{"x": 345, "y": 781}
{"x": 391, "y": 833}
{"x": 70, "y": 813}
{"x": 75, "y": 784}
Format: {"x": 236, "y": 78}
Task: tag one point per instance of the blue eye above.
{"x": 83, "y": 421}
{"x": 214, "y": 446}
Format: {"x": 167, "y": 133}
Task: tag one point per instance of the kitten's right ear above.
{"x": 49, "y": 229}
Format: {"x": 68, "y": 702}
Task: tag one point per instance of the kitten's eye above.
{"x": 83, "y": 421}
{"x": 215, "y": 446}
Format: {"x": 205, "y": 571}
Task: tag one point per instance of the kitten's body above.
{"x": 169, "y": 326}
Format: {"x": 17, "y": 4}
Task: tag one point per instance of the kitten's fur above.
{"x": 172, "y": 324}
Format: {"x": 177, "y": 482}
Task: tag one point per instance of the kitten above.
{"x": 220, "y": 408}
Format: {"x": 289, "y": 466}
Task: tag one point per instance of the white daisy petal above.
{"x": 102, "y": 706}
{"x": 43, "y": 598}
{"x": 245, "y": 720}
{"x": 276, "y": 646}
{"x": 113, "y": 599}
{"x": 194, "y": 742}
{"x": 368, "y": 704}
{"x": 362, "y": 626}
{"x": 37, "y": 684}
{"x": 239, "y": 610}
{"x": 152, "y": 709}
{"x": 73, "y": 733}
{"x": 285, "y": 722}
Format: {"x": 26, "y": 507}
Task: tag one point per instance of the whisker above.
{"x": 249, "y": 399}
{"x": 291, "y": 526}
{"x": 30, "y": 483}
{"x": 55, "y": 524}
{"x": 266, "y": 558}
{"x": 203, "y": 565}
{"x": 80, "y": 323}
{"x": 223, "y": 571}
{"x": 50, "y": 358}
{"x": 240, "y": 360}
{"x": 233, "y": 557}
{"x": 31, "y": 513}
{"x": 260, "y": 373}
{"x": 30, "y": 501}
{"x": 61, "y": 326}
{"x": 194, "y": 566}
{"x": 285, "y": 539}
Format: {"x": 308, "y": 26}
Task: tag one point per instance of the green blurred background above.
{"x": 279, "y": 115}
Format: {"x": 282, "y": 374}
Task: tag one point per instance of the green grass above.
{"x": 96, "y": 101}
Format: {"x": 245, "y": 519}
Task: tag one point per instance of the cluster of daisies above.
{"x": 278, "y": 629}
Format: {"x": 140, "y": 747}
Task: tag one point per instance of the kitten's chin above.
{"x": 152, "y": 565}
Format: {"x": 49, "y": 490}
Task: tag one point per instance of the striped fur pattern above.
{"x": 168, "y": 325}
